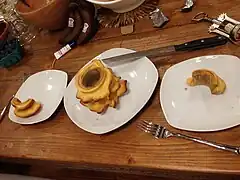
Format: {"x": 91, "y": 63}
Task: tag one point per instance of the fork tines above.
{"x": 147, "y": 127}
{"x": 154, "y": 129}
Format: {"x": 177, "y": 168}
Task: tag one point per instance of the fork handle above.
{"x": 3, "y": 113}
{"x": 233, "y": 149}
{"x": 5, "y": 109}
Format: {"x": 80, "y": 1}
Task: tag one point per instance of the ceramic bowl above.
{"x": 119, "y": 6}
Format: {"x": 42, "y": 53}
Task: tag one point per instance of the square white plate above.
{"x": 46, "y": 87}
{"x": 195, "y": 108}
{"x": 142, "y": 77}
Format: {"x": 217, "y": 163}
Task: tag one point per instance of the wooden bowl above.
{"x": 47, "y": 14}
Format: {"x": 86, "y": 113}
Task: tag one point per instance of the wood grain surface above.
{"x": 59, "y": 141}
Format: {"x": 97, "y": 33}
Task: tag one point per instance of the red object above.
{"x": 3, "y": 30}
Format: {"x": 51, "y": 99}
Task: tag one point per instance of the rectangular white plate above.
{"x": 46, "y": 87}
{"x": 142, "y": 77}
{"x": 195, "y": 108}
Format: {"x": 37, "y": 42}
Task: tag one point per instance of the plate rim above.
{"x": 134, "y": 114}
{"x": 161, "y": 87}
{"x": 60, "y": 99}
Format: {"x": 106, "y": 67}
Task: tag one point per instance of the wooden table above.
{"x": 60, "y": 142}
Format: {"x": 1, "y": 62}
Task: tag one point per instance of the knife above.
{"x": 163, "y": 51}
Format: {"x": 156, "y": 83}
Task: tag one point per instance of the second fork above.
{"x": 159, "y": 131}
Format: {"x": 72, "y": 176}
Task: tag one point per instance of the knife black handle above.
{"x": 202, "y": 43}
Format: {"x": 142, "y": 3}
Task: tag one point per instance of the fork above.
{"x": 159, "y": 131}
{"x": 4, "y": 110}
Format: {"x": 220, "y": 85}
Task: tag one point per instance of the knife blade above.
{"x": 163, "y": 51}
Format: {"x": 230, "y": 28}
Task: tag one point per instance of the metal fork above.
{"x": 159, "y": 131}
{"x": 4, "y": 110}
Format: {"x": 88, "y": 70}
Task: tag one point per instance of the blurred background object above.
{"x": 158, "y": 18}
{"x": 4, "y": 27}
{"x": 11, "y": 53}
{"x": 46, "y": 14}
{"x": 188, "y": 5}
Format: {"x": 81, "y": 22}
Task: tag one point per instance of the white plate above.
{"x": 195, "y": 108}
{"x": 46, "y": 87}
{"x": 142, "y": 77}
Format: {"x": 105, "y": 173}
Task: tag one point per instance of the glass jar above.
{"x": 19, "y": 29}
